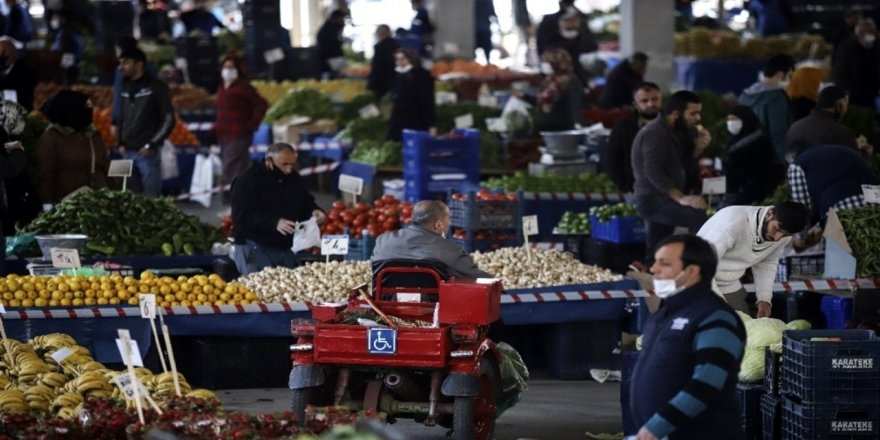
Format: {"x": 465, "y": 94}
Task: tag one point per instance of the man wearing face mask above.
{"x": 750, "y": 164}
{"x": 857, "y": 62}
{"x": 412, "y": 96}
{"x": 425, "y": 239}
{"x": 618, "y": 161}
{"x": 767, "y": 98}
{"x": 751, "y": 237}
{"x": 382, "y": 65}
{"x": 550, "y": 32}
{"x": 240, "y": 109}
{"x": 822, "y": 126}
{"x": 573, "y": 36}
{"x": 684, "y": 383}
{"x": 17, "y": 78}
{"x": 662, "y": 152}
{"x": 267, "y": 203}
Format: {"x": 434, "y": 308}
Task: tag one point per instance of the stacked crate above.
{"x": 830, "y": 385}
{"x": 482, "y": 220}
{"x": 433, "y": 166}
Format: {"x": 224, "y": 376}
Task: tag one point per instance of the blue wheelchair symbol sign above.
{"x": 381, "y": 340}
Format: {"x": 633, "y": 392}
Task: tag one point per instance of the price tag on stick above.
{"x": 167, "y": 336}
{"x": 63, "y": 258}
{"x": 273, "y": 56}
{"x": 148, "y": 311}
{"x": 871, "y": 193}
{"x": 121, "y": 168}
{"x": 124, "y": 344}
{"x": 530, "y": 227}
{"x": 334, "y": 245}
{"x": 464, "y": 121}
{"x": 370, "y": 111}
{"x": 351, "y": 185}
{"x": 715, "y": 185}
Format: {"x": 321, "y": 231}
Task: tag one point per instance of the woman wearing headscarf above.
{"x": 803, "y": 90}
{"x": 412, "y": 95}
{"x": 71, "y": 154}
{"x": 12, "y": 159}
{"x": 240, "y": 109}
{"x": 561, "y": 98}
{"x": 749, "y": 160}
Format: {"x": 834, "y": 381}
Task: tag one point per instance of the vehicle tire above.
{"x": 299, "y": 399}
{"x": 473, "y": 418}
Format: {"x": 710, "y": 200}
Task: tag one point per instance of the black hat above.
{"x": 133, "y": 54}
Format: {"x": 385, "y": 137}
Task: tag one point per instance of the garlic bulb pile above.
{"x": 548, "y": 267}
{"x": 313, "y": 282}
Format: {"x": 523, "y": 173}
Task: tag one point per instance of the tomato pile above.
{"x": 385, "y": 214}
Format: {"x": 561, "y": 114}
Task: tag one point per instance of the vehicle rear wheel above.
{"x": 299, "y": 399}
{"x": 473, "y": 418}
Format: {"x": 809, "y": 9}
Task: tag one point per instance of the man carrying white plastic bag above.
{"x": 274, "y": 216}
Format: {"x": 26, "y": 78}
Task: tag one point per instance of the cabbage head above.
{"x": 743, "y": 316}
{"x": 763, "y": 332}
{"x": 799, "y": 324}
{"x": 752, "y": 367}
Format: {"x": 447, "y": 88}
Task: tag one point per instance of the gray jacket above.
{"x": 417, "y": 243}
{"x": 657, "y": 160}
{"x": 146, "y": 113}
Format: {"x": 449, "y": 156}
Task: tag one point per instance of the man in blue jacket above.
{"x": 767, "y": 98}
{"x": 684, "y": 383}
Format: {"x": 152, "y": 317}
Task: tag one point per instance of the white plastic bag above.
{"x": 516, "y": 116}
{"x": 202, "y": 181}
{"x": 169, "y": 161}
{"x": 307, "y": 235}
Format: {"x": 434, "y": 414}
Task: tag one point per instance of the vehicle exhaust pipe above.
{"x": 402, "y": 387}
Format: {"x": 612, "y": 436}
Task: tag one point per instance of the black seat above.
{"x": 414, "y": 280}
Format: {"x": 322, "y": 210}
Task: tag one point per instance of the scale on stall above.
{"x": 565, "y": 153}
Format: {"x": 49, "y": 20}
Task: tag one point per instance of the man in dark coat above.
{"x": 412, "y": 96}
{"x": 857, "y": 65}
{"x": 822, "y": 126}
{"x": 618, "y": 161}
{"x": 329, "y": 42}
{"x": 382, "y": 65}
{"x": 622, "y": 80}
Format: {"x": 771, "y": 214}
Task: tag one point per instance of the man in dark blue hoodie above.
{"x": 684, "y": 383}
{"x": 767, "y": 98}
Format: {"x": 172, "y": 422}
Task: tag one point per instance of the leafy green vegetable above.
{"x": 604, "y": 212}
{"x": 302, "y": 102}
{"x": 574, "y": 223}
{"x": 584, "y": 183}
{"x": 377, "y": 153}
{"x": 862, "y": 227}
{"x": 359, "y": 130}
{"x": 351, "y": 110}
{"x": 446, "y": 114}
{"x": 760, "y": 333}
{"x": 799, "y": 324}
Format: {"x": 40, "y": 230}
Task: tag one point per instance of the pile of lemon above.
{"x": 75, "y": 291}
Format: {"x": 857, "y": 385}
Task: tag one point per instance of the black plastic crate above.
{"x": 844, "y": 371}
{"x": 771, "y": 421}
{"x": 772, "y": 371}
{"x": 807, "y": 305}
{"x": 471, "y": 213}
{"x": 573, "y": 348}
{"x": 749, "y": 396}
{"x": 218, "y": 363}
{"x": 845, "y": 421}
{"x": 613, "y": 256}
{"x": 800, "y": 267}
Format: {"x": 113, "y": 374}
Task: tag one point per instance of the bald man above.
{"x": 425, "y": 239}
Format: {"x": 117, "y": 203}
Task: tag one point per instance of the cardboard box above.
{"x": 839, "y": 259}
{"x": 290, "y": 129}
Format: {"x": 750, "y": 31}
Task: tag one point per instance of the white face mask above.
{"x": 734, "y": 126}
{"x": 868, "y": 40}
{"x": 229, "y": 75}
{"x": 666, "y": 288}
{"x": 546, "y": 69}
{"x": 568, "y": 34}
{"x": 403, "y": 69}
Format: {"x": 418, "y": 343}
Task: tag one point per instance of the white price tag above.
{"x": 136, "y": 359}
{"x": 445, "y": 98}
{"x": 351, "y": 184}
{"x": 10, "y": 95}
{"x": 498, "y": 125}
{"x": 487, "y": 101}
{"x": 148, "y": 305}
{"x": 871, "y": 193}
{"x": 370, "y": 111}
{"x": 67, "y": 60}
{"x": 61, "y": 354}
{"x": 715, "y": 185}
{"x": 180, "y": 63}
{"x": 124, "y": 382}
{"x": 273, "y": 56}
{"x": 464, "y": 121}
{"x": 120, "y": 168}
{"x": 65, "y": 258}
{"x": 334, "y": 245}
{"x": 530, "y": 225}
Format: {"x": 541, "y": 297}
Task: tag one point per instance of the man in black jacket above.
{"x": 146, "y": 120}
{"x": 822, "y": 126}
{"x": 329, "y": 41}
{"x": 618, "y": 161}
{"x": 857, "y": 62}
{"x": 17, "y": 78}
{"x": 622, "y": 80}
{"x": 268, "y": 200}
{"x": 382, "y": 72}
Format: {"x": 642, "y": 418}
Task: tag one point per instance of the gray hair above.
{"x": 278, "y": 147}
{"x": 427, "y": 211}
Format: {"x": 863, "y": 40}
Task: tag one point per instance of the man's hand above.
{"x": 764, "y": 309}
{"x": 694, "y": 202}
{"x": 704, "y": 138}
{"x": 808, "y": 240}
{"x": 432, "y": 131}
{"x": 644, "y": 434}
{"x": 286, "y": 227}
{"x": 319, "y": 216}
{"x": 16, "y": 145}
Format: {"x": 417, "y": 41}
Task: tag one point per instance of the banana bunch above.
{"x": 163, "y": 385}
{"x": 52, "y": 380}
{"x": 13, "y": 402}
{"x": 201, "y": 393}
{"x": 52, "y": 341}
{"x": 5, "y": 382}
{"x": 66, "y": 400}
{"x": 39, "y": 397}
{"x": 89, "y": 384}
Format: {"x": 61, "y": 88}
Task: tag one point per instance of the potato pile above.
{"x": 548, "y": 267}
{"x": 313, "y": 282}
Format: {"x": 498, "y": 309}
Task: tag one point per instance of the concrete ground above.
{"x": 549, "y": 410}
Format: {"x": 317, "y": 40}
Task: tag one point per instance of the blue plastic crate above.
{"x": 772, "y": 371}
{"x": 415, "y": 190}
{"x": 771, "y": 415}
{"x": 847, "y": 370}
{"x": 361, "y": 248}
{"x": 630, "y": 229}
{"x": 842, "y": 421}
{"x": 472, "y": 214}
{"x": 427, "y": 159}
{"x": 837, "y": 311}
{"x": 749, "y": 396}
{"x": 263, "y": 135}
